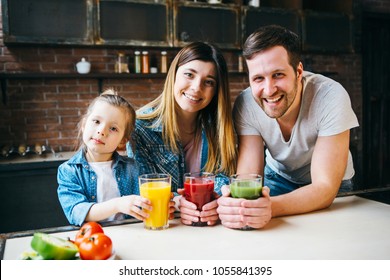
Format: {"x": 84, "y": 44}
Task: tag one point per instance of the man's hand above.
{"x": 239, "y": 212}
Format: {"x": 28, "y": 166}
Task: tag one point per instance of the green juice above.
{"x": 246, "y": 189}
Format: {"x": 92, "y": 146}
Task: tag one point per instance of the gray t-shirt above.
{"x": 325, "y": 110}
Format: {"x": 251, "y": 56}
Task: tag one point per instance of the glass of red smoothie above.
{"x": 199, "y": 189}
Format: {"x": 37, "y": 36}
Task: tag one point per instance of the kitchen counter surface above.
{"x": 351, "y": 228}
{"x": 46, "y": 157}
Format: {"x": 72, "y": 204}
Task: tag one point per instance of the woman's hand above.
{"x": 209, "y": 213}
{"x": 172, "y": 208}
{"x": 188, "y": 210}
{"x": 190, "y": 214}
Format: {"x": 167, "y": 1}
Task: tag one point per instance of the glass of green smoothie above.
{"x": 248, "y": 186}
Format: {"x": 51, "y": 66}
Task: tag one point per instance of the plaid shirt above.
{"x": 153, "y": 156}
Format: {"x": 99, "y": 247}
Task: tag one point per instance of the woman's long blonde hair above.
{"x": 216, "y": 119}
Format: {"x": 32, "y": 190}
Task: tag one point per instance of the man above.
{"x": 301, "y": 120}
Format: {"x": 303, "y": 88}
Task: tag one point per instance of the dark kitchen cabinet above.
{"x": 29, "y": 199}
{"x": 254, "y": 18}
{"x": 133, "y": 23}
{"x": 48, "y": 21}
{"x": 219, "y": 24}
{"x": 87, "y": 22}
{"x": 376, "y": 102}
{"x": 325, "y": 26}
{"x": 326, "y": 32}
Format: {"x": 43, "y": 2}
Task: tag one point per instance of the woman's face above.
{"x": 195, "y": 85}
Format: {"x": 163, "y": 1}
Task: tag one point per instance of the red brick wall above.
{"x": 47, "y": 110}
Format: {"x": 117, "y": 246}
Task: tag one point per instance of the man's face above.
{"x": 273, "y": 81}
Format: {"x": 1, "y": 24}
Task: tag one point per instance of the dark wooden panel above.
{"x": 383, "y": 196}
{"x": 46, "y": 21}
{"x": 376, "y": 101}
{"x": 29, "y": 198}
{"x": 327, "y": 32}
{"x": 133, "y": 21}
{"x": 214, "y": 25}
{"x": 282, "y": 4}
{"x": 338, "y": 6}
{"x": 255, "y": 18}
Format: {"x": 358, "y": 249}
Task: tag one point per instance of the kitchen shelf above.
{"x": 4, "y": 77}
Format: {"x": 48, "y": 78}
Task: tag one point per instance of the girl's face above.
{"x": 103, "y": 131}
{"x": 195, "y": 85}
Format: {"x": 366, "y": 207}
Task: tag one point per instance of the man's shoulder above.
{"x": 318, "y": 80}
{"x": 246, "y": 92}
{"x": 245, "y": 96}
{"x": 320, "y": 87}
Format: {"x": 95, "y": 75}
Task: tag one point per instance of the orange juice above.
{"x": 159, "y": 193}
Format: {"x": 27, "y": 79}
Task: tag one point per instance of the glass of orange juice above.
{"x": 157, "y": 188}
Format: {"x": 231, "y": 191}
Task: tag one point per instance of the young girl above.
{"x": 97, "y": 183}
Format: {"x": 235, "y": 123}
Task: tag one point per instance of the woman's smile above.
{"x": 192, "y": 97}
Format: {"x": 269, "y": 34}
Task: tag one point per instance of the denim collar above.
{"x": 80, "y": 158}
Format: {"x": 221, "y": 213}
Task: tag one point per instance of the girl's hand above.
{"x": 134, "y": 205}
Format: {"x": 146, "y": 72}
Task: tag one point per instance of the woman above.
{"x": 189, "y": 127}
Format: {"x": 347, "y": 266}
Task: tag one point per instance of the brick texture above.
{"x": 48, "y": 110}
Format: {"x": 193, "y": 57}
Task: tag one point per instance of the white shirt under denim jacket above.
{"x": 77, "y": 184}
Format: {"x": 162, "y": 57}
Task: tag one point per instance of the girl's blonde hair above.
{"x": 215, "y": 119}
{"x": 111, "y": 97}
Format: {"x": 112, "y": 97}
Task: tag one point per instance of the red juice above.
{"x": 199, "y": 191}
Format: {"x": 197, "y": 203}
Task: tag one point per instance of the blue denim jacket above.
{"x": 77, "y": 184}
{"x": 153, "y": 156}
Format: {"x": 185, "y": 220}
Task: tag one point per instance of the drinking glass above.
{"x": 199, "y": 189}
{"x": 157, "y": 188}
{"x": 248, "y": 186}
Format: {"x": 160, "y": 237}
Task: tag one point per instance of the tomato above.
{"x": 52, "y": 247}
{"x": 96, "y": 247}
{"x": 87, "y": 230}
